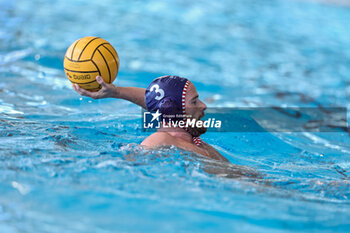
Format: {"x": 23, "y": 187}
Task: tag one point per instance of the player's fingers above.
{"x": 82, "y": 91}
{"x": 100, "y": 80}
{"x": 76, "y": 87}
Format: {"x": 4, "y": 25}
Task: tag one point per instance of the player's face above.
{"x": 194, "y": 106}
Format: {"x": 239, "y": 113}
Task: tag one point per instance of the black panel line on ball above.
{"x": 75, "y": 61}
{"x": 109, "y": 72}
{"x": 86, "y": 46}
{"x": 96, "y": 49}
{"x": 74, "y": 48}
{"x": 99, "y": 73}
{"x": 75, "y": 71}
{"x": 112, "y": 55}
{"x": 87, "y": 82}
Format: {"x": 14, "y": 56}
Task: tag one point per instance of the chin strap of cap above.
{"x": 197, "y": 141}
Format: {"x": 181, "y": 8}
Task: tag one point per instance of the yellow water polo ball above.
{"x": 89, "y": 57}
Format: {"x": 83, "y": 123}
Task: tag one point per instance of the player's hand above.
{"x": 107, "y": 90}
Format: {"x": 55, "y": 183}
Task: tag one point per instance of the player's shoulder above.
{"x": 159, "y": 139}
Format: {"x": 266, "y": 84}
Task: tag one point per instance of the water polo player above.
{"x": 171, "y": 96}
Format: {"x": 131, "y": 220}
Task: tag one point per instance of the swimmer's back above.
{"x": 166, "y": 139}
{"x": 159, "y": 139}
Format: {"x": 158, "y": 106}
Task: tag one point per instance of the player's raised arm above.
{"x": 135, "y": 95}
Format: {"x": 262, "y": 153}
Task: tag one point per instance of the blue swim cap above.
{"x": 167, "y": 94}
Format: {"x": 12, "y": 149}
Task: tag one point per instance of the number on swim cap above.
{"x": 156, "y": 88}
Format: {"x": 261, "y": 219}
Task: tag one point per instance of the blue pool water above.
{"x": 73, "y": 164}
